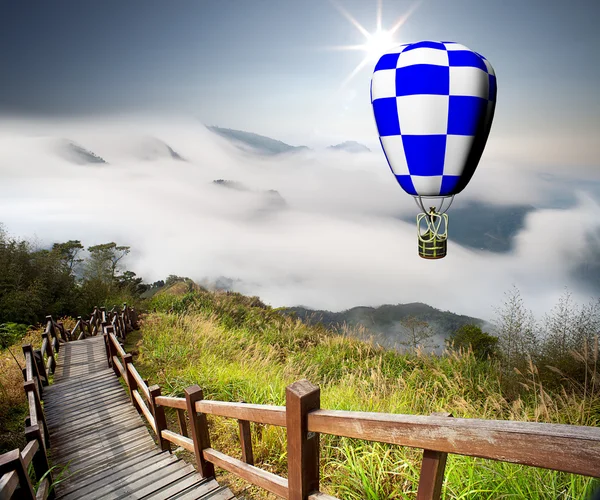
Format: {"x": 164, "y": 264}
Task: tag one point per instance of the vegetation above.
{"x": 61, "y": 280}
{"x": 238, "y": 349}
{"x": 471, "y": 337}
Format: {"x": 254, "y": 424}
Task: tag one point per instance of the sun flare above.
{"x": 377, "y": 43}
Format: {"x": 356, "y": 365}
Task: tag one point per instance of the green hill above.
{"x": 238, "y": 349}
{"x": 385, "y": 321}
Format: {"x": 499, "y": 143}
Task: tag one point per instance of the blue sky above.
{"x": 260, "y": 65}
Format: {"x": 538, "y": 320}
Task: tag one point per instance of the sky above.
{"x": 127, "y": 79}
{"x": 263, "y": 65}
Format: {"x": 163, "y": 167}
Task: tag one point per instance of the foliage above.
{"x": 238, "y": 349}
{"x": 418, "y": 333}
{"x": 61, "y": 280}
{"x": 11, "y": 333}
{"x": 471, "y": 337}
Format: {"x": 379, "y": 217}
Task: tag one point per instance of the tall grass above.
{"x": 236, "y": 349}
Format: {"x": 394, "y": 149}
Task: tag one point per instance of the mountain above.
{"x": 351, "y": 147}
{"x": 151, "y": 148}
{"x": 385, "y": 321}
{"x": 75, "y": 153}
{"x": 257, "y": 143}
{"x": 272, "y": 201}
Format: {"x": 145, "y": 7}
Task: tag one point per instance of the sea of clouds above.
{"x": 336, "y": 244}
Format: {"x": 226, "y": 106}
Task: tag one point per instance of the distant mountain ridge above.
{"x": 259, "y": 143}
{"x": 351, "y": 147}
{"x": 384, "y": 321}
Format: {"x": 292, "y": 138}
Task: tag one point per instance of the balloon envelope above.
{"x": 433, "y": 104}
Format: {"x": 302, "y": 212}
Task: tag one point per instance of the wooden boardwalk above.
{"x": 95, "y": 429}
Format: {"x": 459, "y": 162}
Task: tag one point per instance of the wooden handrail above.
{"x": 145, "y": 410}
{"x": 259, "y": 477}
{"x": 183, "y": 441}
{"x": 561, "y": 447}
{"x": 139, "y": 381}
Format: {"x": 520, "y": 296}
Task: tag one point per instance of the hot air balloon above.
{"x": 433, "y": 104}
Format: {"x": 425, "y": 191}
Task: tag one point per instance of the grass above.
{"x": 237, "y": 349}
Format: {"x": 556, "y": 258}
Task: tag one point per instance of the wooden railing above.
{"x": 567, "y": 448}
{"x": 574, "y": 449}
{"x": 15, "y": 481}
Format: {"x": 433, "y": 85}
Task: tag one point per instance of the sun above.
{"x": 378, "y": 44}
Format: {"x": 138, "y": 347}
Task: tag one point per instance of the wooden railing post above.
{"x": 246, "y": 442}
{"x": 159, "y": 417}
{"x": 199, "y": 430}
{"x": 108, "y": 350}
{"x": 131, "y": 383}
{"x": 182, "y": 424}
{"x": 81, "y": 328}
{"x": 49, "y": 351}
{"x": 302, "y": 397}
{"x": 38, "y": 358}
{"x": 432, "y": 471}
{"x": 13, "y": 461}
{"x": 40, "y": 460}
{"x": 28, "y": 350}
{"x": 52, "y": 332}
{"x": 30, "y": 386}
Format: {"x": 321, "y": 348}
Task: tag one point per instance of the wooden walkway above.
{"x": 95, "y": 429}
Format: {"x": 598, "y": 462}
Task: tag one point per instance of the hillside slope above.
{"x": 238, "y": 349}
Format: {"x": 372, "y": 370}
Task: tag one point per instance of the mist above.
{"x": 335, "y": 240}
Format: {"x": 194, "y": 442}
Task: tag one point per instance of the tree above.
{"x": 68, "y": 252}
{"x": 516, "y": 329}
{"x": 417, "y": 333}
{"x": 472, "y": 337}
{"x": 129, "y": 282}
{"x": 104, "y": 261}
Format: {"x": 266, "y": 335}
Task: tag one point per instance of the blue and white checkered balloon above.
{"x": 433, "y": 104}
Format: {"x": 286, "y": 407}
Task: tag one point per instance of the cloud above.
{"x": 337, "y": 243}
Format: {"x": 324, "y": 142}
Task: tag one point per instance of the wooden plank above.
{"x": 138, "y": 481}
{"x": 141, "y": 385}
{"x": 165, "y": 481}
{"x": 106, "y": 462}
{"x": 27, "y": 454}
{"x": 321, "y": 496}
{"x": 84, "y": 438}
{"x": 8, "y": 484}
{"x": 12, "y": 461}
{"x": 90, "y": 420}
{"x": 264, "y": 414}
{"x": 114, "y": 472}
{"x": 171, "y": 402}
{"x": 117, "y": 345}
{"x": 187, "y": 483}
{"x": 199, "y": 492}
{"x": 179, "y": 440}
{"x": 99, "y": 488}
{"x": 270, "y": 482}
{"x": 145, "y": 410}
{"x": 566, "y": 448}
{"x": 43, "y": 489}
{"x": 118, "y": 442}
{"x": 88, "y": 416}
{"x": 302, "y": 397}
